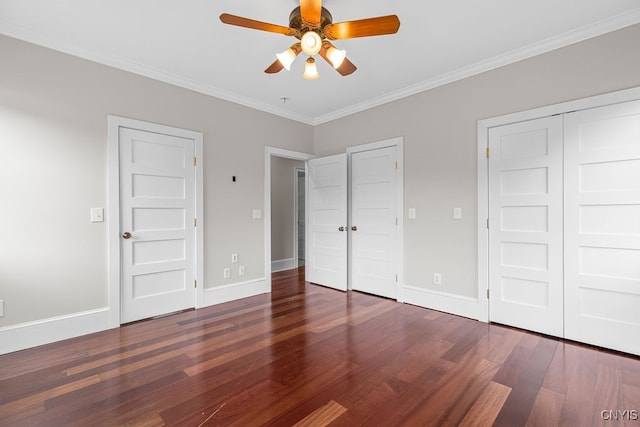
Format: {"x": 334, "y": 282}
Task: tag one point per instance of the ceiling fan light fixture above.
{"x": 336, "y": 56}
{"x": 286, "y": 58}
{"x": 311, "y": 42}
{"x": 310, "y": 69}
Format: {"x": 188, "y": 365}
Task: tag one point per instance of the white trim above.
{"x": 234, "y": 291}
{"x": 114, "y": 123}
{"x": 575, "y": 36}
{"x": 442, "y": 301}
{"x": 39, "y": 332}
{"x": 268, "y": 153}
{"x": 283, "y": 264}
{"x": 296, "y": 219}
{"x": 131, "y": 66}
{"x": 483, "y": 173}
{"x": 580, "y": 34}
{"x": 397, "y": 142}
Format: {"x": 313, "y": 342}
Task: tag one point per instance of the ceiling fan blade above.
{"x": 345, "y": 68}
{"x": 310, "y": 11}
{"x": 363, "y": 28}
{"x": 277, "y": 66}
{"x": 256, "y": 25}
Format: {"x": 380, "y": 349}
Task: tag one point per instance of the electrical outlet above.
{"x": 1, "y": 308}
{"x": 226, "y": 273}
{"x": 437, "y": 279}
{"x": 234, "y": 257}
{"x": 241, "y": 270}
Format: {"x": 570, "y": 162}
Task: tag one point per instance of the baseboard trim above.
{"x": 234, "y": 291}
{"x": 283, "y": 264}
{"x": 442, "y": 301}
{"x": 40, "y": 332}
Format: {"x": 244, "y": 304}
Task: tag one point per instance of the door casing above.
{"x": 114, "y": 123}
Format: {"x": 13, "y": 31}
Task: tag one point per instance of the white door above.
{"x": 374, "y": 221}
{"x": 157, "y": 202}
{"x": 602, "y": 226}
{"x": 525, "y": 225}
{"x": 327, "y": 221}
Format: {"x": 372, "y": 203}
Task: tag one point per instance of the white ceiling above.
{"x": 184, "y": 43}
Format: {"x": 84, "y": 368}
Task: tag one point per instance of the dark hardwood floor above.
{"x": 307, "y": 355}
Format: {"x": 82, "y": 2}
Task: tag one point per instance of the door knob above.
{"x": 340, "y": 228}
{"x": 126, "y": 235}
{"x": 354, "y": 228}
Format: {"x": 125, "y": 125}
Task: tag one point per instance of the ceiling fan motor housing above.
{"x": 296, "y": 21}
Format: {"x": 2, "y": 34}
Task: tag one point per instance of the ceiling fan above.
{"x": 313, "y": 26}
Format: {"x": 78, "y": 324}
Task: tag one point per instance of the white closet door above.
{"x": 525, "y": 233}
{"x": 327, "y": 235}
{"x": 374, "y": 224}
{"x": 602, "y": 226}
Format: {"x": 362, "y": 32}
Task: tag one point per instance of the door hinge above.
{"x": 487, "y": 293}
{"x": 487, "y": 152}
{"x": 487, "y": 223}
{"x": 396, "y": 278}
{"x": 195, "y": 283}
{"x": 396, "y": 165}
{"x": 396, "y": 220}
{"x": 195, "y": 161}
{"x": 195, "y": 222}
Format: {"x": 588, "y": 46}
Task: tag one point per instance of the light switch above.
{"x": 257, "y": 214}
{"x": 412, "y": 213}
{"x": 457, "y": 213}
{"x": 97, "y": 214}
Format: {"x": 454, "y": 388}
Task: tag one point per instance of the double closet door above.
{"x": 353, "y": 221}
{"x": 564, "y": 225}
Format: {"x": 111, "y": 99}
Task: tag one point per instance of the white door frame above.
{"x": 483, "y": 171}
{"x": 114, "y": 123}
{"x": 296, "y": 219}
{"x": 287, "y": 154}
{"x": 397, "y": 142}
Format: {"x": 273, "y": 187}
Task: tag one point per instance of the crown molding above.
{"x": 580, "y": 34}
{"x": 575, "y": 36}
{"x": 120, "y": 63}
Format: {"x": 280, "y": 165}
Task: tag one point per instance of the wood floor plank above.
{"x": 525, "y": 388}
{"x": 322, "y": 416}
{"x": 310, "y": 355}
{"x": 546, "y": 409}
{"x": 487, "y": 407}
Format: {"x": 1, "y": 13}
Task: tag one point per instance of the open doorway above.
{"x": 284, "y": 217}
{"x": 284, "y": 213}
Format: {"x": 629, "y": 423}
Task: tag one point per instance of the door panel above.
{"x": 374, "y": 216}
{"x": 157, "y": 200}
{"x": 602, "y": 226}
{"x": 525, "y": 233}
{"x": 327, "y": 237}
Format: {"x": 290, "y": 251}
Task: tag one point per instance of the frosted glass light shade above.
{"x": 310, "y": 70}
{"x": 336, "y": 56}
{"x": 311, "y": 43}
{"x": 286, "y": 58}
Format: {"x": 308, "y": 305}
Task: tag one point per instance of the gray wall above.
{"x": 282, "y": 207}
{"x": 53, "y": 169}
{"x": 53, "y": 162}
{"x": 440, "y": 135}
